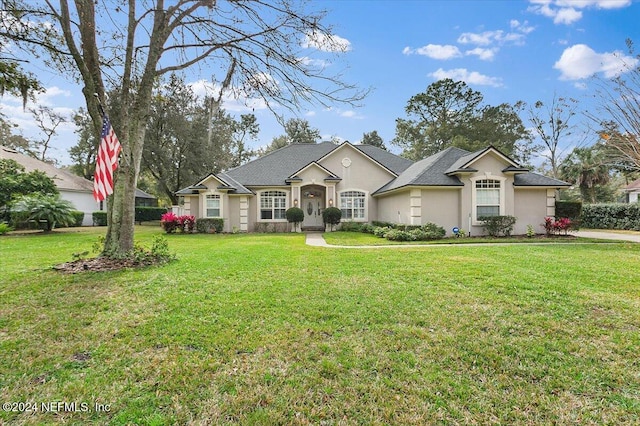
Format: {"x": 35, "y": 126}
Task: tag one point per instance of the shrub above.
{"x": 50, "y": 209}
{"x": 169, "y": 222}
{"x": 78, "y": 218}
{"x": 379, "y": 224}
{"x": 433, "y": 231}
{"x": 569, "y": 209}
{"x": 381, "y": 231}
{"x": 426, "y": 232}
{"x": 352, "y": 226}
{"x": 209, "y": 225}
{"x": 4, "y": 228}
{"x": 367, "y": 228}
{"x": 147, "y": 214}
{"x": 611, "y": 216}
{"x": 294, "y": 215}
{"x": 331, "y": 216}
{"x": 496, "y": 225}
{"x": 186, "y": 223}
{"x": 99, "y": 218}
{"x": 398, "y": 235}
{"x": 558, "y": 226}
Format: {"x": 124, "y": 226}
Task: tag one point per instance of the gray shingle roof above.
{"x": 438, "y": 169}
{"x": 274, "y": 168}
{"x": 534, "y": 179}
{"x": 278, "y": 167}
{"x": 429, "y": 172}
{"x": 391, "y": 161}
{"x": 63, "y": 179}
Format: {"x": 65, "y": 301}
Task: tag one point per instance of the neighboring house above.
{"x": 73, "y": 188}
{"x": 632, "y": 190}
{"x": 452, "y": 188}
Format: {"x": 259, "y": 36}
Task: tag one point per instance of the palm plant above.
{"x": 586, "y": 168}
{"x": 51, "y": 209}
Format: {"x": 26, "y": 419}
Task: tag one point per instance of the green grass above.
{"x": 262, "y": 329}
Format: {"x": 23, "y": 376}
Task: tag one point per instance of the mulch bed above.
{"x": 101, "y": 264}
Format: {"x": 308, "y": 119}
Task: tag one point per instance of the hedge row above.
{"x": 143, "y": 214}
{"x": 209, "y": 226}
{"x": 569, "y": 209}
{"x": 611, "y": 216}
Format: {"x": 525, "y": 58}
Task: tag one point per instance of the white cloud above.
{"x": 435, "y": 51}
{"x": 311, "y": 62}
{"x": 580, "y": 61}
{"x": 462, "y": 74}
{"x": 348, "y": 114}
{"x": 487, "y": 38}
{"x": 482, "y": 53}
{"x": 567, "y": 16}
{"x": 326, "y": 42}
{"x": 522, "y": 27}
{"x": 569, "y": 11}
{"x": 480, "y": 39}
{"x": 310, "y": 114}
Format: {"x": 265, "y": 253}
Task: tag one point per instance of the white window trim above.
{"x": 286, "y": 204}
{"x": 366, "y": 205}
{"x": 474, "y": 206}
{"x": 204, "y": 202}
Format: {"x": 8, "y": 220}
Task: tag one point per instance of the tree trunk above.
{"x": 121, "y": 206}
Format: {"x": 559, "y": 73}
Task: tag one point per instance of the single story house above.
{"x": 73, "y": 188}
{"x": 632, "y": 190}
{"x": 452, "y": 188}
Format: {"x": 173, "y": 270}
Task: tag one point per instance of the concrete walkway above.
{"x": 633, "y": 237}
{"x": 315, "y": 239}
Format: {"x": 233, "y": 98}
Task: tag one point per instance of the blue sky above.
{"x": 507, "y": 50}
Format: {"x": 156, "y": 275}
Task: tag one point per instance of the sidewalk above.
{"x": 315, "y": 239}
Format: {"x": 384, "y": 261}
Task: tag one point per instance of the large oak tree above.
{"x": 262, "y": 47}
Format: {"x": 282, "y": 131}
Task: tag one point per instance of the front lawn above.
{"x": 262, "y": 329}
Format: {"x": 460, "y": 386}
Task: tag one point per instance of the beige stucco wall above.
{"x": 442, "y": 207}
{"x": 362, "y": 174}
{"x": 530, "y": 209}
{"x": 390, "y": 205}
{"x": 233, "y": 214}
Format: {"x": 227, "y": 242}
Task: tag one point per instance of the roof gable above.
{"x": 314, "y": 164}
{"x": 465, "y": 163}
{"x": 352, "y": 148}
{"x": 278, "y": 168}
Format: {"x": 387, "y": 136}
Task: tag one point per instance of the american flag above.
{"x": 107, "y": 161}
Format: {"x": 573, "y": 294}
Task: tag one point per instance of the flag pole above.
{"x": 99, "y": 104}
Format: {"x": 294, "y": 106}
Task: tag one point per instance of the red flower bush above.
{"x": 187, "y": 223}
{"x": 556, "y": 227}
{"x": 170, "y": 222}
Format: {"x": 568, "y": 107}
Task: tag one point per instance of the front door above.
{"x": 312, "y": 205}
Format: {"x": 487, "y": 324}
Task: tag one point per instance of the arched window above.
{"x": 352, "y": 204}
{"x": 273, "y": 205}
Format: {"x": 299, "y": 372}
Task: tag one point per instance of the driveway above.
{"x": 631, "y": 236}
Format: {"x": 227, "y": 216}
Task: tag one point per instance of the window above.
{"x": 273, "y": 205}
{"x": 487, "y": 198}
{"x": 352, "y": 205}
{"x": 213, "y": 205}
